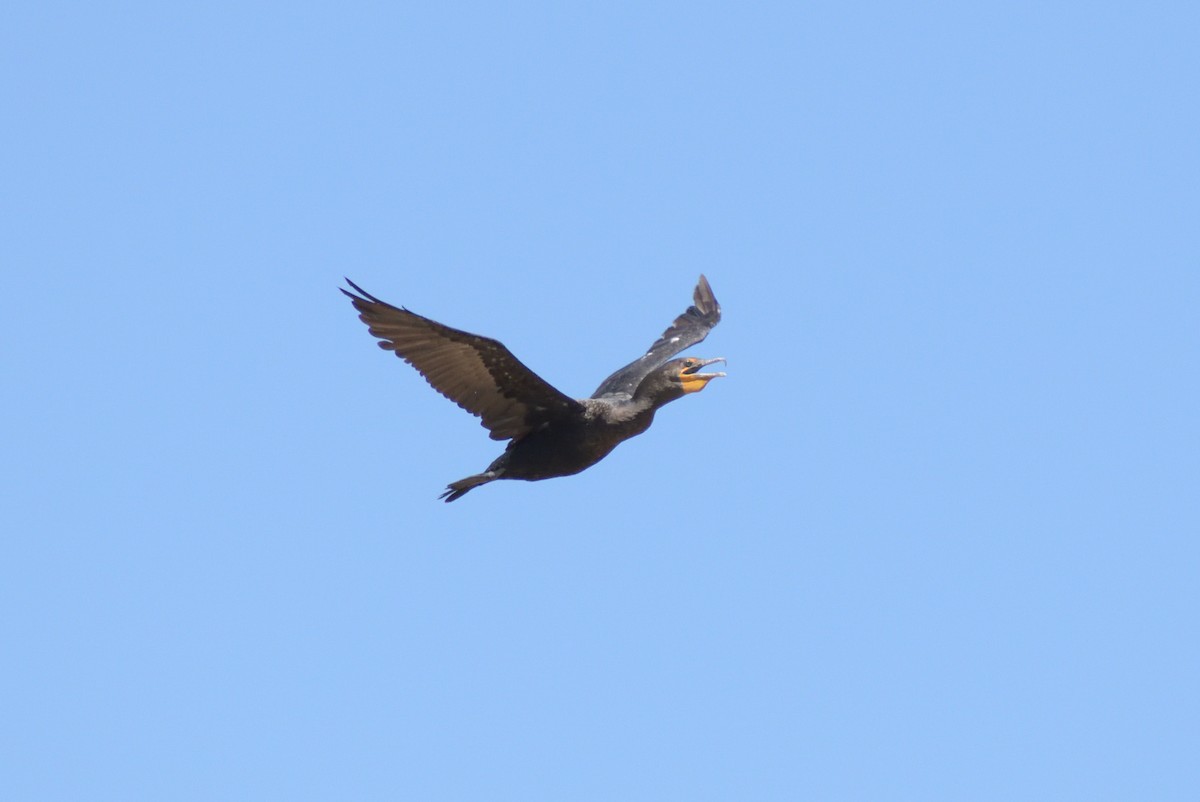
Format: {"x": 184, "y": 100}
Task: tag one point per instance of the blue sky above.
{"x": 934, "y": 537}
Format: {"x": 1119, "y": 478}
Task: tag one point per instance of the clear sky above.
{"x": 934, "y": 537}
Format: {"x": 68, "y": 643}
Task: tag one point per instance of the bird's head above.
{"x": 686, "y": 371}
{"x": 676, "y": 379}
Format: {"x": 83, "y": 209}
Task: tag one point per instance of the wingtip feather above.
{"x": 704, "y": 299}
{"x": 361, "y": 292}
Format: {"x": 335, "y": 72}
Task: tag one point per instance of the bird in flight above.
{"x": 550, "y": 434}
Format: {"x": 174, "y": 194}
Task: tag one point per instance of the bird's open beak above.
{"x": 692, "y": 372}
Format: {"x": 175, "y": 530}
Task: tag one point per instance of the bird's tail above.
{"x": 456, "y": 490}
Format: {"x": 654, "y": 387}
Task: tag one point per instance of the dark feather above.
{"x": 477, "y": 373}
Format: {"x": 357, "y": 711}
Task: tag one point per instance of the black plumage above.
{"x": 550, "y": 433}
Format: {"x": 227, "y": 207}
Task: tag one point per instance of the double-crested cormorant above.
{"x": 550, "y": 433}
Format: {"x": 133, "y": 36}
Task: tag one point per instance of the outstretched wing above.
{"x": 688, "y": 329}
{"x": 477, "y": 373}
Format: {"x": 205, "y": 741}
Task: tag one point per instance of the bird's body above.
{"x": 570, "y": 445}
{"x": 550, "y": 434}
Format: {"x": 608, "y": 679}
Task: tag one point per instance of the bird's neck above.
{"x": 652, "y": 395}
